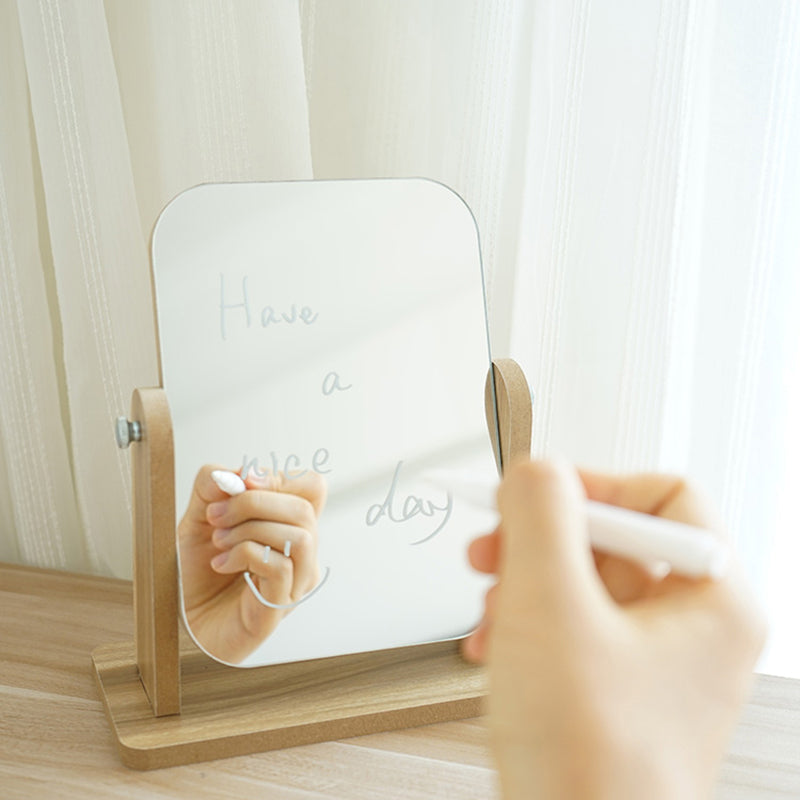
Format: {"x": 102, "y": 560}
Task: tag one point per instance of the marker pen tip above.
{"x": 229, "y": 482}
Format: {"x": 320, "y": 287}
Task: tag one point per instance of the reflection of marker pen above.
{"x": 232, "y": 484}
{"x": 689, "y": 551}
{"x": 229, "y": 482}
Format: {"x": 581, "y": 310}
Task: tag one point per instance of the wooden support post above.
{"x": 155, "y": 562}
{"x": 509, "y": 412}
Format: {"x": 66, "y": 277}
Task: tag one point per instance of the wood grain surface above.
{"x": 155, "y": 558}
{"x": 55, "y": 741}
{"x": 509, "y": 412}
{"x": 228, "y": 711}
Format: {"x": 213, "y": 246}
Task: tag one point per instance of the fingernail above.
{"x": 219, "y": 560}
{"x": 221, "y": 535}
{"x": 217, "y": 510}
{"x": 263, "y": 481}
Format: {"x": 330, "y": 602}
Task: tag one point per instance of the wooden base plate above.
{"x": 227, "y": 711}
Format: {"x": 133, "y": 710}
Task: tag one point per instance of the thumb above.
{"x": 545, "y": 551}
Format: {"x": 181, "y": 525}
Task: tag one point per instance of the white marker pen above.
{"x": 229, "y": 482}
{"x": 689, "y": 551}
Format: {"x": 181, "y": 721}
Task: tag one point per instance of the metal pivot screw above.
{"x": 127, "y": 432}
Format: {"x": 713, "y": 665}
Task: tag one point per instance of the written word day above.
{"x": 392, "y": 510}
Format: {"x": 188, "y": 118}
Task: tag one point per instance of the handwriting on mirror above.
{"x": 291, "y": 465}
{"x": 410, "y": 508}
{"x": 237, "y": 311}
{"x": 391, "y": 508}
{"x": 267, "y": 315}
{"x": 332, "y": 383}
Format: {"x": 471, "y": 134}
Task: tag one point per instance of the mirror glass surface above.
{"x": 335, "y": 327}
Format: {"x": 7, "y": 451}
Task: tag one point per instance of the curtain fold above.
{"x": 39, "y": 521}
{"x": 633, "y": 167}
{"x": 99, "y": 257}
{"x": 211, "y": 91}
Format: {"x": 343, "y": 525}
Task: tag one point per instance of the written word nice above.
{"x": 291, "y": 465}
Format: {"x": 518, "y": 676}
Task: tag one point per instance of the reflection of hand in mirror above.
{"x": 220, "y": 537}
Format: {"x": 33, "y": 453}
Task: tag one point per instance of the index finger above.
{"x": 309, "y": 485}
{"x": 725, "y": 608}
{"x": 204, "y": 491}
{"x": 666, "y": 496}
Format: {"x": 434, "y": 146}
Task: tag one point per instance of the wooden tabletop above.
{"x": 55, "y": 741}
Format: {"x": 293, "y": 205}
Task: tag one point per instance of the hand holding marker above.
{"x": 641, "y": 675}
{"x": 239, "y": 578}
{"x": 651, "y": 541}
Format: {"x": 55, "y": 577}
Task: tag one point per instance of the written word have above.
{"x": 239, "y": 310}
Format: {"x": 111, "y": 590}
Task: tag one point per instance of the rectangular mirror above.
{"x": 326, "y": 340}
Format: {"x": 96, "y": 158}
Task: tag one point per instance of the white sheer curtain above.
{"x": 633, "y": 166}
